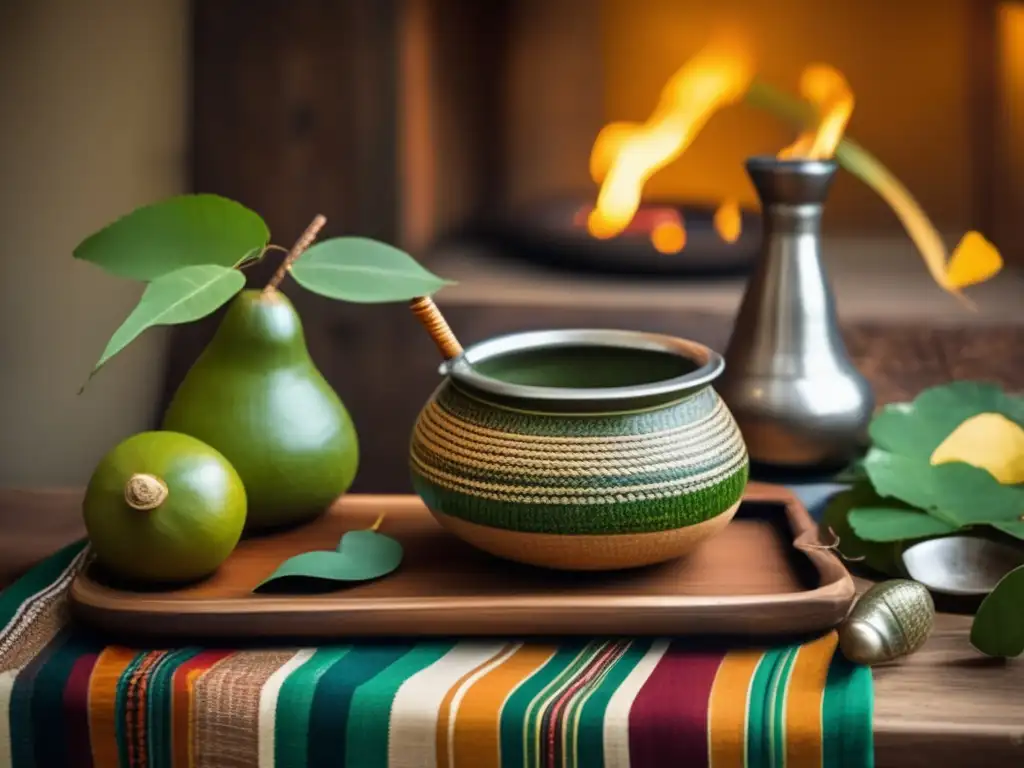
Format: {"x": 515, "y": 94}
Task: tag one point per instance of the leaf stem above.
{"x": 250, "y": 259}
{"x": 834, "y": 547}
{"x": 380, "y": 519}
{"x": 304, "y": 241}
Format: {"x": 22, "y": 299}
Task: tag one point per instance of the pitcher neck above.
{"x": 792, "y": 194}
{"x": 782, "y": 219}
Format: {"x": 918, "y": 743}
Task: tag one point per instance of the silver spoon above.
{"x": 961, "y": 565}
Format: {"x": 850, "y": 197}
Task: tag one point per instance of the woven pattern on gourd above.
{"x": 648, "y": 471}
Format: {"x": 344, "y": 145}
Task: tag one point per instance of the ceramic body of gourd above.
{"x": 255, "y": 395}
{"x": 574, "y": 477}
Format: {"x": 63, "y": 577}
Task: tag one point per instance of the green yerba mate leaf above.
{"x": 900, "y": 477}
{"x": 889, "y": 524}
{"x": 998, "y": 628}
{"x": 182, "y": 231}
{"x": 363, "y": 271}
{"x": 968, "y": 495}
{"x": 360, "y": 556}
{"x": 178, "y": 297}
{"x": 957, "y": 493}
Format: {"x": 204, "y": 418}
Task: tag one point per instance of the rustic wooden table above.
{"x": 946, "y": 705}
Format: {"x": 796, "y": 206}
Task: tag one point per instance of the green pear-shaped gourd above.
{"x": 255, "y": 395}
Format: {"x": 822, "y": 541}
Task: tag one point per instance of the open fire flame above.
{"x": 626, "y": 155}
{"x": 829, "y": 92}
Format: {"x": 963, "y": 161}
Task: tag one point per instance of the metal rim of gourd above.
{"x": 463, "y": 371}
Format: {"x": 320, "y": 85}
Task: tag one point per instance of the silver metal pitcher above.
{"x": 798, "y": 399}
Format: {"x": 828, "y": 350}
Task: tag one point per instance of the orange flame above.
{"x": 626, "y": 155}
{"x": 728, "y": 221}
{"x": 827, "y": 89}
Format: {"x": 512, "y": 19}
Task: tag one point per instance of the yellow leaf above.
{"x": 989, "y": 441}
{"x": 974, "y": 261}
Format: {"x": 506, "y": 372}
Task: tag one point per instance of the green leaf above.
{"x": 958, "y": 493}
{"x": 900, "y": 477}
{"x": 361, "y": 556}
{"x": 916, "y": 429}
{"x": 881, "y": 557}
{"x": 363, "y": 271}
{"x": 998, "y": 628}
{"x": 967, "y": 495}
{"x": 889, "y": 524}
{"x": 183, "y": 231}
{"x": 178, "y": 297}
{"x": 1013, "y": 528}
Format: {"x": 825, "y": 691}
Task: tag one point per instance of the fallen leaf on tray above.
{"x": 360, "y": 556}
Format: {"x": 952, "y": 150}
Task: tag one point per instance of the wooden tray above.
{"x": 758, "y": 577}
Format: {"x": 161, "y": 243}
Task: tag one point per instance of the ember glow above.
{"x": 728, "y": 221}
{"x": 626, "y": 155}
{"x": 669, "y": 236}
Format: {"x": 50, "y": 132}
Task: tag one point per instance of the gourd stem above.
{"x": 304, "y": 241}
{"x": 145, "y": 492}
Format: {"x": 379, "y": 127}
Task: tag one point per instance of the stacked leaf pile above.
{"x": 950, "y": 462}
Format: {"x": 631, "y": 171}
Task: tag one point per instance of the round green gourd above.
{"x": 163, "y": 507}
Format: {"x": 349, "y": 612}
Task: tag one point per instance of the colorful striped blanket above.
{"x": 68, "y": 699}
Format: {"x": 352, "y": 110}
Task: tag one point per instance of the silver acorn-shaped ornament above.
{"x": 892, "y": 619}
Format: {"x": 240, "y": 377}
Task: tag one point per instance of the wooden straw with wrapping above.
{"x": 430, "y": 316}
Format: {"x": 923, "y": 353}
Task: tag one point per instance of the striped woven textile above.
{"x": 67, "y": 699}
